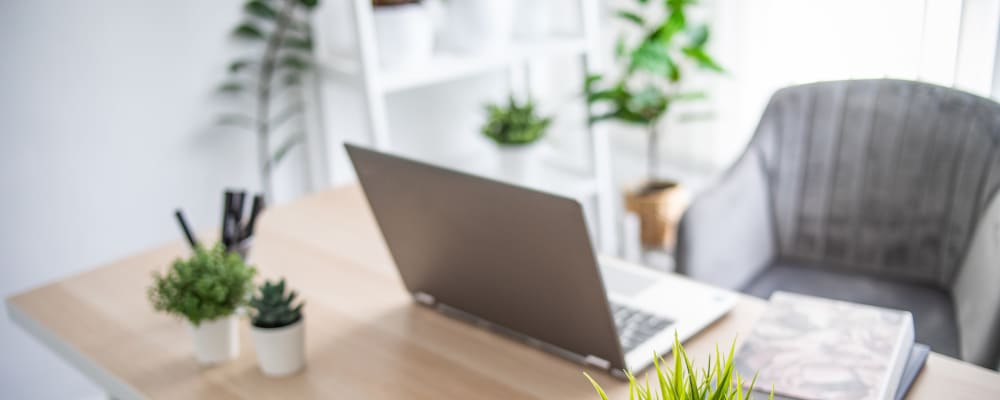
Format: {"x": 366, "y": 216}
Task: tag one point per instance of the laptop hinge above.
{"x": 597, "y": 361}
{"x": 424, "y": 298}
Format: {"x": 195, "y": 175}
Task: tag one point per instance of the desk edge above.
{"x": 113, "y": 386}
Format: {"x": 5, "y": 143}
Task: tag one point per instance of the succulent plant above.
{"x": 273, "y": 308}
{"x": 514, "y": 124}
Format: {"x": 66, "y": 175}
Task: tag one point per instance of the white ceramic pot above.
{"x": 404, "y": 34}
{"x": 532, "y": 19}
{"x": 217, "y": 340}
{"x": 280, "y": 351}
{"x": 517, "y": 162}
{"x": 479, "y": 25}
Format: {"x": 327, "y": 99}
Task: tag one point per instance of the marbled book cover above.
{"x": 818, "y": 349}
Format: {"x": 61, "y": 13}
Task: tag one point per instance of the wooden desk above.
{"x": 365, "y": 337}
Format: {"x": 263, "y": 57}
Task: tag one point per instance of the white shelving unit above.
{"x": 363, "y": 68}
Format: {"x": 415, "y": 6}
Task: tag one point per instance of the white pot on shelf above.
{"x": 280, "y": 351}
{"x": 216, "y": 341}
{"x": 518, "y": 163}
{"x": 531, "y": 19}
{"x": 475, "y": 26}
{"x": 404, "y": 33}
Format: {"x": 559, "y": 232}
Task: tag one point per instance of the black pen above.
{"x": 226, "y": 204}
{"x": 258, "y": 206}
{"x": 184, "y": 227}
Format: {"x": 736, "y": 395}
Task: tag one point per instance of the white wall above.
{"x": 104, "y": 113}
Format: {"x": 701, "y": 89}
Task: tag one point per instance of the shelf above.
{"x": 549, "y": 176}
{"x": 445, "y": 67}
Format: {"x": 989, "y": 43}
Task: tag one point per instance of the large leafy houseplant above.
{"x": 272, "y": 80}
{"x": 718, "y": 381}
{"x": 210, "y": 285}
{"x": 654, "y": 68}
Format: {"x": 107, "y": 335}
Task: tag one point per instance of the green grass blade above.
{"x": 604, "y": 396}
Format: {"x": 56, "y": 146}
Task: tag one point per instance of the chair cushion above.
{"x": 933, "y": 312}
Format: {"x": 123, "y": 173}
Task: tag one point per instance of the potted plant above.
{"x": 277, "y": 330}
{"x": 515, "y": 128}
{"x": 270, "y": 83}
{"x": 719, "y": 381}
{"x": 642, "y": 95}
{"x": 206, "y": 290}
{"x": 404, "y": 31}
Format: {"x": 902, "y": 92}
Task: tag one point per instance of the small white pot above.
{"x": 217, "y": 340}
{"x": 479, "y": 25}
{"x": 517, "y": 162}
{"x": 532, "y": 18}
{"x": 280, "y": 351}
{"x": 404, "y": 33}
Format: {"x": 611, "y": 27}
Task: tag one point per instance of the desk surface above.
{"x": 365, "y": 337}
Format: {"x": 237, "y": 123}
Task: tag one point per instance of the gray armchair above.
{"x": 874, "y": 191}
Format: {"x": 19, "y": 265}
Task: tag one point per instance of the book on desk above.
{"x": 811, "y": 348}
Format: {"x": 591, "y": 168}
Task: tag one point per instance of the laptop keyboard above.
{"x": 635, "y": 326}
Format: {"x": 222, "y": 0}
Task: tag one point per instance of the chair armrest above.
{"x": 976, "y": 294}
{"x": 726, "y": 236}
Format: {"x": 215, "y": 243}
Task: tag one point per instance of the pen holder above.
{"x": 241, "y": 248}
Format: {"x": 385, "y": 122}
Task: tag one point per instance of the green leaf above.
{"x": 248, "y": 31}
{"x": 232, "y": 87}
{"x": 237, "y": 120}
{"x": 260, "y": 9}
{"x": 604, "y": 396}
{"x": 294, "y": 62}
{"x": 239, "y": 65}
{"x": 285, "y": 147}
{"x": 698, "y": 36}
{"x": 703, "y": 60}
{"x": 621, "y": 49}
{"x": 676, "y": 22}
{"x": 297, "y": 43}
{"x": 589, "y": 81}
{"x": 631, "y": 16}
{"x": 309, "y": 4}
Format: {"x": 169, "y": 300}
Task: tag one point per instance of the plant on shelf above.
{"x": 719, "y": 381}
{"x": 278, "y": 332}
{"x": 654, "y": 69}
{"x": 271, "y": 82}
{"x": 514, "y": 124}
{"x": 515, "y": 127}
{"x": 206, "y": 290}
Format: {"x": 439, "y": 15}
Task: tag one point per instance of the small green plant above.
{"x": 274, "y": 309}
{"x": 515, "y": 124}
{"x": 719, "y": 381}
{"x": 211, "y": 284}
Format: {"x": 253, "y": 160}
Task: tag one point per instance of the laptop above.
{"x": 520, "y": 262}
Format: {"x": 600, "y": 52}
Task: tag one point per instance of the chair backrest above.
{"x": 881, "y": 176}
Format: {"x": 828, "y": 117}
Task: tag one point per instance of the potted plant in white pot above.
{"x": 516, "y": 129}
{"x": 642, "y": 95}
{"x": 278, "y": 330}
{"x": 404, "y": 31}
{"x": 206, "y": 290}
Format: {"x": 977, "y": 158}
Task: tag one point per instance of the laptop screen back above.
{"x": 515, "y": 257}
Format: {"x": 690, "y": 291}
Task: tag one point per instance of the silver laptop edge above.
{"x": 520, "y": 263}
